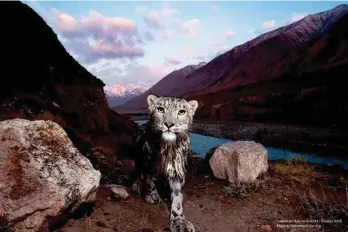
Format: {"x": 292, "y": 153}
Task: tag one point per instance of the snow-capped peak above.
{"x": 124, "y": 89}
{"x": 120, "y": 93}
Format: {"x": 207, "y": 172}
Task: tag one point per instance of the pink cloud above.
{"x": 66, "y": 24}
{"x": 131, "y": 73}
{"x": 215, "y": 8}
{"x": 149, "y": 35}
{"x": 153, "y": 19}
{"x": 96, "y": 36}
{"x": 297, "y": 16}
{"x": 219, "y": 48}
{"x": 268, "y": 24}
{"x": 190, "y": 27}
{"x": 187, "y": 50}
{"x": 172, "y": 61}
{"x": 157, "y": 18}
{"x": 229, "y": 34}
{"x": 168, "y": 34}
{"x": 112, "y": 50}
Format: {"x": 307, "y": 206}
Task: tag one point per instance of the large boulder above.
{"x": 42, "y": 174}
{"x": 239, "y": 162}
{"x": 55, "y": 87}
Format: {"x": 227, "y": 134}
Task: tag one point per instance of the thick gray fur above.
{"x": 163, "y": 145}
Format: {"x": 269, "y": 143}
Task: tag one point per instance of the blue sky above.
{"x": 141, "y": 42}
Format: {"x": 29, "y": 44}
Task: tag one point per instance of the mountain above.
{"x": 293, "y": 74}
{"x": 41, "y": 80}
{"x": 258, "y": 60}
{"x": 121, "y": 93}
{"x": 305, "y": 86}
{"x": 163, "y": 87}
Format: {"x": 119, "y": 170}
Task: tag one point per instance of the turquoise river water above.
{"x": 202, "y": 144}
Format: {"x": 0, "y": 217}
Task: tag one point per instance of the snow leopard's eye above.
{"x": 160, "y": 109}
{"x": 182, "y": 112}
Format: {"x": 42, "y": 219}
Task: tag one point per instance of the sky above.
{"x": 129, "y": 42}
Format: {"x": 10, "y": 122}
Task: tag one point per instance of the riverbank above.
{"x": 289, "y": 191}
{"x": 299, "y": 138}
{"x": 328, "y": 142}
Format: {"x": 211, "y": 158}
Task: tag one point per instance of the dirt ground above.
{"x": 212, "y": 207}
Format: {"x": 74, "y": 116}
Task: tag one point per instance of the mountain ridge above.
{"x": 160, "y": 87}
{"x": 120, "y": 93}
{"x": 255, "y": 61}
{"x": 309, "y": 88}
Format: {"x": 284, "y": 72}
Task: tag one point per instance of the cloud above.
{"x": 157, "y": 18}
{"x": 215, "y": 8}
{"x": 251, "y": 31}
{"x": 168, "y": 34}
{"x": 190, "y": 27}
{"x": 229, "y": 34}
{"x": 96, "y": 36}
{"x": 297, "y": 16}
{"x": 149, "y": 35}
{"x": 172, "y": 61}
{"x": 130, "y": 72}
{"x": 199, "y": 58}
{"x": 186, "y": 50}
{"x": 265, "y": 27}
{"x": 268, "y": 24}
{"x": 221, "y": 47}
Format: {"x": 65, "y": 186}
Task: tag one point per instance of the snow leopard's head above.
{"x": 170, "y": 116}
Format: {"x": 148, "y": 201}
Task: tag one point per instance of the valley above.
{"x": 67, "y": 147}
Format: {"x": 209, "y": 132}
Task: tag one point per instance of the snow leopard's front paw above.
{"x": 153, "y": 198}
{"x": 136, "y": 189}
{"x": 181, "y": 225}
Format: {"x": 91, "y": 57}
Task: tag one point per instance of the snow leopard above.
{"x": 162, "y": 150}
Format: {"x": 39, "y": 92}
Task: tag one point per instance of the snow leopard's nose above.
{"x": 169, "y": 125}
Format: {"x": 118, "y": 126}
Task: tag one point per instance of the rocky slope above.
{"x": 121, "y": 93}
{"x": 163, "y": 87}
{"x": 293, "y": 74}
{"x": 308, "y": 87}
{"x": 40, "y": 80}
{"x": 258, "y": 60}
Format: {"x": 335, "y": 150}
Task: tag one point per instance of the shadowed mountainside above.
{"x": 293, "y": 74}
{"x": 263, "y": 58}
{"x": 40, "y": 80}
{"x": 308, "y": 87}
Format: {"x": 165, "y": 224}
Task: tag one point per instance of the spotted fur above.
{"x": 163, "y": 145}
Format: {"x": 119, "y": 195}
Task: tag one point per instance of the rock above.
{"x": 42, "y": 174}
{"x": 266, "y": 227}
{"x": 240, "y": 161}
{"x": 59, "y": 88}
{"x": 120, "y": 192}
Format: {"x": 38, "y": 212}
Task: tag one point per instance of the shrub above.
{"x": 297, "y": 159}
{"x": 244, "y": 190}
{"x": 328, "y": 207}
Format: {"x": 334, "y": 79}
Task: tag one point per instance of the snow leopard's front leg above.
{"x": 178, "y": 223}
{"x": 152, "y": 195}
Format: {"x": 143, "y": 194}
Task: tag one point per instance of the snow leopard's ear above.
{"x": 151, "y": 99}
{"x": 193, "y": 104}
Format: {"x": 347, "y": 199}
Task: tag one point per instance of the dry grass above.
{"x": 295, "y": 165}
{"x": 244, "y": 190}
{"x": 331, "y": 207}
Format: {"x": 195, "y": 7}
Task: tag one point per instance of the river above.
{"x": 201, "y": 144}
